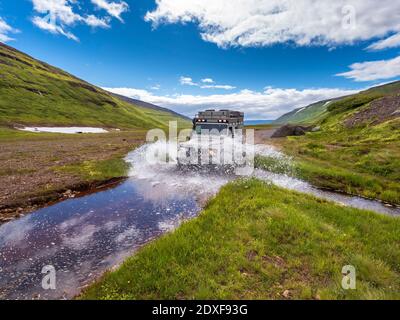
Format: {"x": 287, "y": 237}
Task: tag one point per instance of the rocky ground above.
{"x": 376, "y": 112}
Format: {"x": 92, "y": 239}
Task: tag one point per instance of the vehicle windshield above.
{"x": 211, "y": 128}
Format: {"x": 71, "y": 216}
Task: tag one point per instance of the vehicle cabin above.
{"x": 220, "y": 120}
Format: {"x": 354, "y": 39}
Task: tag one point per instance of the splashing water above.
{"x": 201, "y": 181}
{"x": 83, "y": 237}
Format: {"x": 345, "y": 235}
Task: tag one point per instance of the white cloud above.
{"x": 268, "y": 22}
{"x": 218, "y": 86}
{"x": 189, "y": 82}
{"x": 155, "y": 87}
{"x": 60, "y": 10}
{"x": 207, "y": 80}
{"x": 94, "y": 22}
{"x": 373, "y": 70}
{"x": 114, "y": 9}
{"x": 58, "y": 15}
{"x": 269, "y": 104}
{"x": 5, "y": 30}
{"x": 391, "y": 42}
{"x": 44, "y": 24}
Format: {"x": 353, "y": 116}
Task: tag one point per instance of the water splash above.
{"x": 201, "y": 181}
{"x": 83, "y": 237}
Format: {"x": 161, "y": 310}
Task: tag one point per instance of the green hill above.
{"x": 302, "y": 115}
{"x": 357, "y": 146}
{"x": 34, "y": 93}
{"x": 318, "y": 111}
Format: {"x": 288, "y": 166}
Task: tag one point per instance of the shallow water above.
{"x": 85, "y": 236}
{"x": 294, "y": 184}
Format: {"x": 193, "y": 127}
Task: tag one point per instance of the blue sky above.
{"x": 263, "y": 57}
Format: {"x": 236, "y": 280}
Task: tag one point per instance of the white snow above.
{"x": 300, "y": 110}
{"x": 326, "y": 103}
{"x": 68, "y": 130}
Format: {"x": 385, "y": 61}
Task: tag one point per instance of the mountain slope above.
{"x": 357, "y": 148}
{"x": 302, "y": 115}
{"x": 317, "y": 111}
{"x": 148, "y": 105}
{"x": 33, "y": 92}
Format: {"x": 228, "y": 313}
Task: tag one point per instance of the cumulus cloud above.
{"x": 58, "y": 10}
{"x": 58, "y": 15}
{"x": 207, "y": 83}
{"x": 5, "y": 30}
{"x": 44, "y": 24}
{"x": 373, "y": 70}
{"x": 207, "y": 80}
{"x": 187, "y": 81}
{"x": 268, "y": 104}
{"x": 266, "y": 22}
{"x": 114, "y": 9}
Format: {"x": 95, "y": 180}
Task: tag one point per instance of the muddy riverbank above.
{"x": 15, "y": 210}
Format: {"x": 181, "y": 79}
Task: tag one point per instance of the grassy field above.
{"x": 368, "y": 166}
{"x": 95, "y": 170}
{"x": 257, "y": 241}
{"x": 33, "y": 92}
{"x": 363, "y": 161}
{"x": 360, "y": 157}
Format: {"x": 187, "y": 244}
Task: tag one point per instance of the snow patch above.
{"x": 67, "y": 130}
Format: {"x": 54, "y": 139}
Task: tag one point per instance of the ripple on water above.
{"x": 85, "y": 236}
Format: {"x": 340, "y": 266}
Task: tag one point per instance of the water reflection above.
{"x": 83, "y": 237}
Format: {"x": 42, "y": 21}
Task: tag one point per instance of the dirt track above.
{"x": 261, "y": 135}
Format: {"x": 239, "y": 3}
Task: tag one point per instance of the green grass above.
{"x": 32, "y": 92}
{"x": 353, "y": 102}
{"x": 254, "y": 241}
{"x": 306, "y": 115}
{"x": 318, "y": 111}
{"x": 363, "y": 161}
{"x": 98, "y": 170}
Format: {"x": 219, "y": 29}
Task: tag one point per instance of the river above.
{"x": 85, "y": 236}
